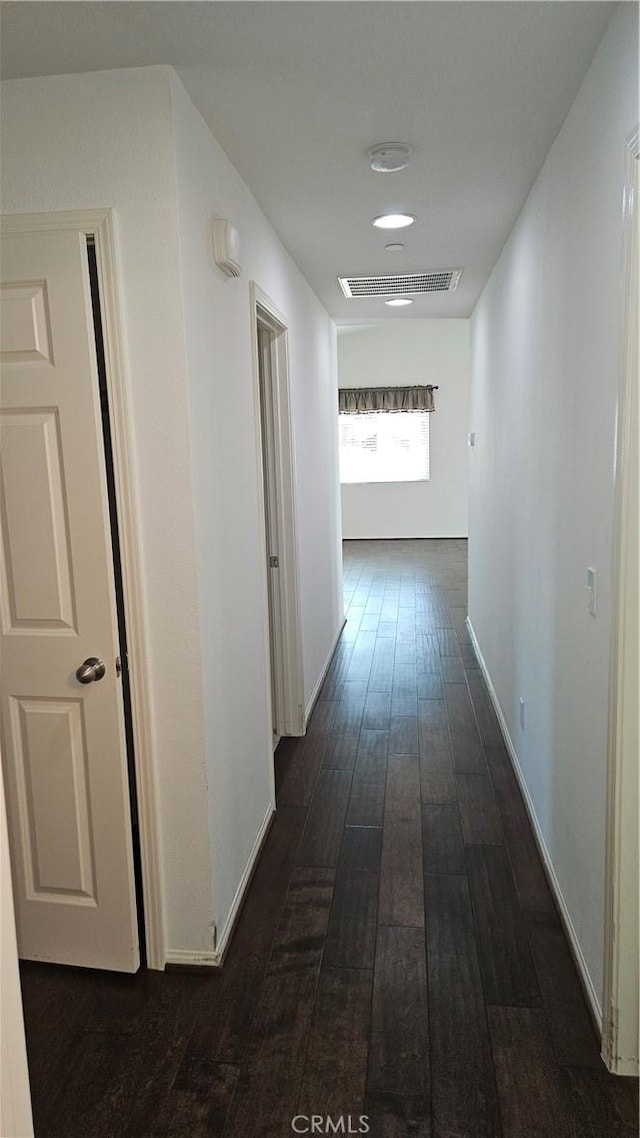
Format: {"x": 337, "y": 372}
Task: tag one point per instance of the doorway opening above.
{"x": 277, "y": 469}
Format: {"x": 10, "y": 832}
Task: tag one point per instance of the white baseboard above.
{"x": 183, "y": 958}
{"x": 554, "y": 884}
{"x": 214, "y": 959}
{"x": 323, "y": 675}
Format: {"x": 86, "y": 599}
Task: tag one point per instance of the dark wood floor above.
{"x": 399, "y": 954}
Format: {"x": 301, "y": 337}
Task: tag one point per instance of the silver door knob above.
{"x": 91, "y": 670}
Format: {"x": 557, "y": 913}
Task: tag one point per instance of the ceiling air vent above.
{"x": 441, "y": 280}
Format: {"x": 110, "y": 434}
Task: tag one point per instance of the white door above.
{"x": 63, "y": 740}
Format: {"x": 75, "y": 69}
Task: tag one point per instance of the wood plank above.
{"x": 322, "y": 717}
{"x": 297, "y": 776}
{"x": 266, "y": 1097}
{"x": 377, "y": 710}
{"x": 320, "y": 843}
{"x": 198, "y": 1102}
{"x": 351, "y": 706}
{"x": 267, "y": 1093}
{"x": 459, "y": 617}
{"x": 299, "y": 940}
{"x": 401, "y": 879}
{"x": 486, "y": 717}
{"x": 341, "y": 751}
{"x": 452, "y": 670}
{"x": 447, "y": 642}
{"x": 260, "y": 913}
{"x": 403, "y": 734}
{"x": 442, "y": 843}
{"x": 404, "y": 695}
{"x": 366, "y": 804}
{"x": 429, "y": 686}
{"x": 534, "y": 893}
{"x": 337, "y": 671}
{"x": 406, "y": 650}
{"x": 469, "y": 660}
{"x": 351, "y": 934}
{"x": 82, "y": 1097}
{"x": 450, "y": 928}
{"x": 399, "y": 1047}
{"x": 381, "y": 674}
{"x": 505, "y": 783}
{"x": 574, "y": 1039}
{"x": 371, "y": 761}
{"x": 530, "y": 1085}
{"x": 463, "y": 1088}
{"x": 505, "y": 958}
{"x": 388, "y": 628}
{"x": 335, "y": 1072}
{"x": 428, "y": 659}
{"x": 397, "y": 1116}
{"x": 362, "y": 656}
{"x": 403, "y": 788}
{"x": 436, "y": 767}
{"x": 478, "y": 810}
{"x": 609, "y": 1103}
{"x": 466, "y": 748}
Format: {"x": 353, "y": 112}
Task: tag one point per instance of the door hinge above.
{"x": 273, "y": 562}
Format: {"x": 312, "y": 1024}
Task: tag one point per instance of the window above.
{"x": 384, "y": 446}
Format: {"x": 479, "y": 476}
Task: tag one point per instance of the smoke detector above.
{"x": 387, "y": 157}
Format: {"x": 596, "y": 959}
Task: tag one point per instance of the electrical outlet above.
{"x": 522, "y": 713}
{"x": 591, "y": 591}
{"x": 472, "y": 438}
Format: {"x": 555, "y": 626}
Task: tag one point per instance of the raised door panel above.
{"x": 50, "y": 744}
{"x": 37, "y": 580}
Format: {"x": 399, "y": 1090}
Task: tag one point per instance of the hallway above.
{"x": 398, "y": 956}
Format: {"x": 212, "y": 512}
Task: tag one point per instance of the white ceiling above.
{"x": 296, "y": 92}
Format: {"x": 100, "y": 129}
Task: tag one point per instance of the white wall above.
{"x": 231, "y": 554}
{"x": 398, "y": 354}
{"x": 545, "y": 372}
{"x": 105, "y": 140}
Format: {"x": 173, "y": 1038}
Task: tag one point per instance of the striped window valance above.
{"x": 364, "y": 400}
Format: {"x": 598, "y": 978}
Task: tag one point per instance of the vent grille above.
{"x": 440, "y": 280}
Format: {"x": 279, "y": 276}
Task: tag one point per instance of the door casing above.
{"x": 620, "y": 1016}
{"x": 263, "y": 309}
{"x": 100, "y": 224}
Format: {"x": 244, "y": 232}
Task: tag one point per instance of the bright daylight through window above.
{"x": 384, "y": 447}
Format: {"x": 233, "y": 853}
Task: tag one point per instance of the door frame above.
{"x": 263, "y": 309}
{"x": 100, "y": 224}
{"x": 619, "y": 1036}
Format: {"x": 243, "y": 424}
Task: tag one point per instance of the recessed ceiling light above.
{"x": 394, "y": 247}
{"x": 393, "y": 220}
{"x": 387, "y": 157}
{"x": 398, "y": 301}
